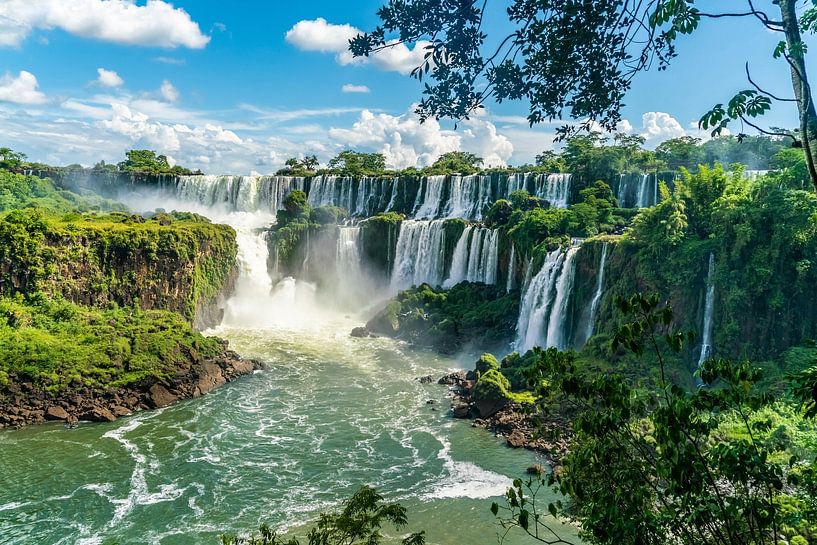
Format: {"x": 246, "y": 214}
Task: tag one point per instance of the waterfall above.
{"x": 709, "y": 310}
{"x": 469, "y": 195}
{"x": 429, "y": 206}
{"x": 459, "y": 261}
{"x": 545, "y": 303}
{"x": 511, "y": 269}
{"x": 348, "y": 253}
{"x": 554, "y": 188}
{"x": 594, "y": 303}
{"x": 236, "y": 193}
{"x": 647, "y": 191}
{"x": 419, "y": 254}
{"x": 476, "y": 257}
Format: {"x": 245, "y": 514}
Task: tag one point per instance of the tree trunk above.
{"x": 802, "y": 89}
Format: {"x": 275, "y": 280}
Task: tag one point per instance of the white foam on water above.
{"x": 466, "y": 479}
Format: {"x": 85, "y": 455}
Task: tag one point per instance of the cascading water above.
{"x": 511, "y": 270}
{"x": 476, "y": 257}
{"x": 469, "y": 195}
{"x": 235, "y": 193}
{"x": 545, "y": 303}
{"x": 419, "y": 254}
{"x": 432, "y": 198}
{"x": 554, "y": 188}
{"x": 709, "y": 311}
{"x": 594, "y": 303}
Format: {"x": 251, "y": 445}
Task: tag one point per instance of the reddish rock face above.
{"x": 55, "y": 412}
{"x": 159, "y": 396}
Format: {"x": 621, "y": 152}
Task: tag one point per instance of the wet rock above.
{"x": 99, "y": 414}
{"x": 453, "y": 379}
{"x": 536, "y": 469}
{"x": 56, "y": 413}
{"x": 119, "y": 410}
{"x": 210, "y": 376}
{"x": 360, "y": 332}
{"x": 460, "y": 410}
{"x": 428, "y": 379}
{"x": 431, "y": 402}
{"x": 517, "y": 439}
{"x": 159, "y": 396}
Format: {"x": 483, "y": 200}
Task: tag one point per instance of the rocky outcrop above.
{"x": 23, "y": 404}
{"x": 521, "y": 426}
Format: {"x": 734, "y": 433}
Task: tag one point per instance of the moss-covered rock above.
{"x": 183, "y": 265}
{"x": 491, "y": 393}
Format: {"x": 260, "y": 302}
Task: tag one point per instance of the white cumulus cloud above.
{"x": 405, "y": 142}
{"x": 322, "y": 36}
{"x": 22, "y": 89}
{"x": 660, "y": 126}
{"x": 109, "y": 78}
{"x": 156, "y": 23}
{"x": 350, "y": 88}
{"x": 169, "y": 91}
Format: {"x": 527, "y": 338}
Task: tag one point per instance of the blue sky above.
{"x": 239, "y": 89}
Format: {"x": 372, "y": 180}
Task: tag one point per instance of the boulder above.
{"x": 159, "y": 396}
{"x": 55, "y": 412}
{"x": 99, "y": 414}
{"x": 210, "y": 377}
{"x": 119, "y": 410}
{"x": 536, "y": 469}
{"x": 453, "y": 379}
{"x": 428, "y": 379}
{"x": 460, "y": 409}
{"x": 517, "y": 439}
{"x": 360, "y": 332}
{"x": 387, "y": 321}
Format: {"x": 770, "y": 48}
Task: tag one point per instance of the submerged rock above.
{"x": 428, "y": 379}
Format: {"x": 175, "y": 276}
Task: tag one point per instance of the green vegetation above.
{"x": 587, "y": 76}
{"x": 299, "y": 167}
{"x": 717, "y": 465}
{"x": 359, "y": 522}
{"x": 446, "y": 319}
{"x": 455, "y": 162}
{"x": 55, "y": 344}
{"x": 353, "y": 163}
{"x": 144, "y": 161}
{"x": 97, "y": 259}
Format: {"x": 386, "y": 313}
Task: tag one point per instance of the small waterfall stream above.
{"x": 709, "y": 311}
{"x": 594, "y": 303}
{"x": 509, "y": 284}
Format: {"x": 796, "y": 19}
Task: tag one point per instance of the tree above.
{"x": 358, "y": 523}
{"x": 456, "y": 162}
{"x": 551, "y": 161}
{"x": 658, "y": 466}
{"x": 145, "y": 161}
{"x": 577, "y": 59}
{"x": 354, "y": 163}
{"x": 680, "y": 152}
{"x": 10, "y": 159}
{"x": 310, "y": 163}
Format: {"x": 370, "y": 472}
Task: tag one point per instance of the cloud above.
{"x": 168, "y": 91}
{"x": 660, "y": 126}
{"x": 109, "y": 78}
{"x": 324, "y": 37}
{"x": 22, "y": 89}
{"x": 350, "y": 88}
{"x": 155, "y": 24}
{"x": 170, "y": 60}
{"x": 405, "y": 142}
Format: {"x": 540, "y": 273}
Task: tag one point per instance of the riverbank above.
{"x": 24, "y": 404}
